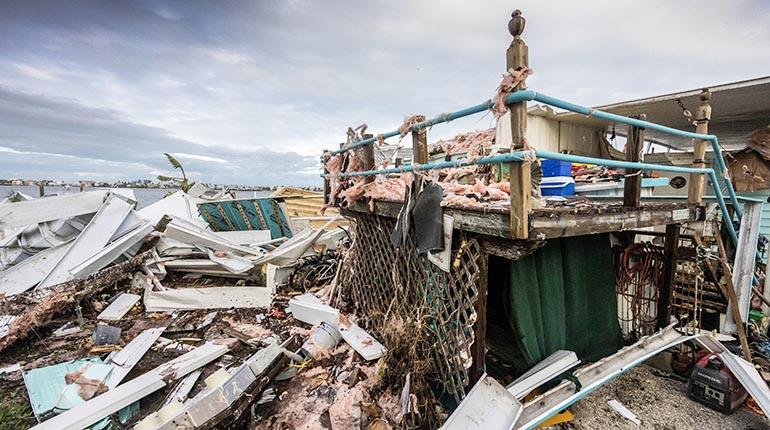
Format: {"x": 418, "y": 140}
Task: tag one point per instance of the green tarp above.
{"x": 563, "y": 297}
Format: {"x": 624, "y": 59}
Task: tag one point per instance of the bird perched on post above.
{"x": 516, "y": 24}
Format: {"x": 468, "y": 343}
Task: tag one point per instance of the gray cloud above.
{"x": 246, "y": 81}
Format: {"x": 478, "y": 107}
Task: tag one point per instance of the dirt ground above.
{"x": 660, "y": 403}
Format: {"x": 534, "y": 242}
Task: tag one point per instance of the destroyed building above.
{"x": 488, "y": 281}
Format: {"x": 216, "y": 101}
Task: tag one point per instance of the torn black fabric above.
{"x": 427, "y": 218}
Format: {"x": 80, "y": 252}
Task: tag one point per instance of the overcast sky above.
{"x": 251, "y": 92}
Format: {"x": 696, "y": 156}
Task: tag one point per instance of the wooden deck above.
{"x": 571, "y": 219}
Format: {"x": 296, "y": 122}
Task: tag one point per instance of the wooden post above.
{"x": 479, "y": 348}
{"x": 728, "y": 291}
{"x": 41, "y": 188}
{"x": 368, "y": 155}
{"x": 327, "y": 187}
{"x": 632, "y": 190}
{"x": 420, "y": 146}
{"x": 695, "y": 192}
{"x": 517, "y": 58}
{"x": 666, "y": 290}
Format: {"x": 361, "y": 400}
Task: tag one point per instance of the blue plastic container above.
{"x": 558, "y": 186}
{"x": 556, "y": 168}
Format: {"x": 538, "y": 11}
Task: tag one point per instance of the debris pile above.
{"x": 471, "y": 187}
{"x": 158, "y": 319}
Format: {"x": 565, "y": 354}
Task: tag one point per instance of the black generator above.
{"x": 713, "y": 385}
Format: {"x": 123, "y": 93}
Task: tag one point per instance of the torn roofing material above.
{"x": 91, "y": 240}
{"x": 25, "y": 275}
{"x": 112, "y": 251}
{"x": 50, "y": 208}
{"x": 45, "y": 384}
{"x": 139, "y": 387}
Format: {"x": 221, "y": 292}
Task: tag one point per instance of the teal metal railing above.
{"x": 714, "y": 174}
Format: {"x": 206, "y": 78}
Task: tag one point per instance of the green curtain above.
{"x": 563, "y": 297}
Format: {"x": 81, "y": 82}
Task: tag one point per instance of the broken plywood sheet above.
{"x": 50, "y": 208}
{"x": 123, "y": 395}
{"x": 246, "y": 237}
{"x": 126, "y": 244}
{"x": 311, "y": 310}
{"x": 126, "y": 359}
{"x": 91, "y": 240}
{"x": 119, "y": 307}
{"x": 361, "y": 341}
{"x": 25, "y": 275}
{"x": 207, "y": 298}
{"x": 487, "y": 406}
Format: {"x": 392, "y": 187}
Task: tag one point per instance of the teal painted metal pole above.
{"x": 515, "y": 97}
{"x": 529, "y": 95}
{"x": 720, "y": 162}
{"x": 522, "y": 155}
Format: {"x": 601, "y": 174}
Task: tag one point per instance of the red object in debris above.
{"x": 712, "y": 384}
{"x": 277, "y": 313}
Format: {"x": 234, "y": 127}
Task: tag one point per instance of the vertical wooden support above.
{"x": 420, "y": 146}
{"x": 41, "y": 188}
{"x": 368, "y": 155}
{"x": 695, "y": 192}
{"x": 479, "y": 348}
{"x": 666, "y": 290}
{"x": 517, "y": 58}
{"x": 632, "y": 190}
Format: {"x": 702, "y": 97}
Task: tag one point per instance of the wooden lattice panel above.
{"x": 377, "y": 280}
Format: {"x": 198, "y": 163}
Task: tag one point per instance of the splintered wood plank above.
{"x": 119, "y": 307}
{"x": 550, "y": 223}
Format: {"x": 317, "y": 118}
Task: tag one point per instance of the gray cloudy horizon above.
{"x": 251, "y": 92}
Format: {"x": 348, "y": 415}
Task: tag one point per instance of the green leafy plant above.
{"x": 183, "y": 182}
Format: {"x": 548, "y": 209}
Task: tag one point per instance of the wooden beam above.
{"x": 695, "y": 192}
{"x": 479, "y": 348}
{"x": 420, "y": 146}
{"x": 666, "y": 289}
{"x": 728, "y": 289}
{"x": 517, "y": 58}
{"x": 632, "y": 188}
{"x": 368, "y": 156}
{"x": 549, "y": 224}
